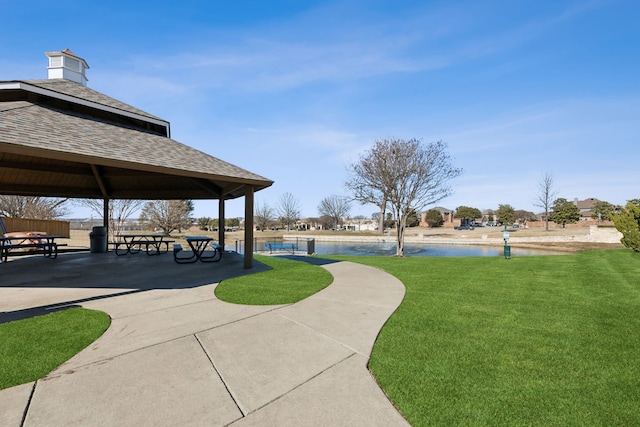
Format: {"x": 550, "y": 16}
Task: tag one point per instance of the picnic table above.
{"x": 133, "y": 243}
{"x": 198, "y": 245}
{"x": 29, "y": 243}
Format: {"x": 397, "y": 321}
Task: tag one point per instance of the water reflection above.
{"x": 389, "y": 249}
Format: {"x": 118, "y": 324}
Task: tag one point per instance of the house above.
{"x": 586, "y": 207}
{"x": 447, "y": 217}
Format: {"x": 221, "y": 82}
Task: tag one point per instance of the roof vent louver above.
{"x": 66, "y": 65}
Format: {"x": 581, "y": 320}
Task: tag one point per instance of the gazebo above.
{"x": 59, "y": 138}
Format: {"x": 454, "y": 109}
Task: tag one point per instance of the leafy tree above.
{"x": 434, "y": 218}
{"x": 288, "y": 210}
{"x": 603, "y": 211}
{"x": 205, "y": 223}
{"x": 263, "y": 216}
{"x": 32, "y": 207}
{"x": 335, "y": 207}
{"x": 545, "y": 196}
{"x": 505, "y": 214}
{"x": 232, "y": 222}
{"x": 465, "y": 212}
{"x": 628, "y": 223}
{"x": 406, "y": 176}
{"x": 167, "y": 215}
{"x": 413, "y": 220}
{"x": 564, "y": 212}
{"x": 389, "y": 222}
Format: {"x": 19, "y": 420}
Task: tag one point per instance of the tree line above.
{"x": 400, "y": 177}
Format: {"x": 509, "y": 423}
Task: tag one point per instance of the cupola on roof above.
{"x": 67, "y": 65}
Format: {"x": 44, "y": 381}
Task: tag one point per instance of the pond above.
{"x": 412, "y": 249}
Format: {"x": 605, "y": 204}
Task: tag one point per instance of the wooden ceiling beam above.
{"x": 99, "y": 181}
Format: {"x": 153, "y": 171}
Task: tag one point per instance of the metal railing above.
{"x": 277, "y": 244}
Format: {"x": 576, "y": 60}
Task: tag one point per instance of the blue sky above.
{"x": 296, "y": 90}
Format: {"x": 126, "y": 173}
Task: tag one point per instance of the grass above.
{"x": 535, "y": 341}
{"x": 31, "y": 348}
{"x": 550, "y": 340}
{"x": 287, "y": 282}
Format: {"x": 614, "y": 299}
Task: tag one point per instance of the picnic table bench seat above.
{"x": 136, "y": 244}
{"x": 27, "y": 243}
{"x": 198, "y": 252}
{"x": 47, "y": 247}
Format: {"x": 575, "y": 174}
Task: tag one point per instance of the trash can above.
{"x": 507, "y": 251}
{"x": 311, "y": 246}
{"x": 98, "y": 240}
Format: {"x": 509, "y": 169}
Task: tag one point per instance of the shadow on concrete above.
{"x": 310, "y": 260}
{"x": 79, "y": 277}
{"x": 106, "y": 270}
{"x": 26, "y": 313}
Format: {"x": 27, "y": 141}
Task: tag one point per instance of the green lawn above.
{"x": 287, "y": 282}
{"x": 548, "y": 340}
{"x": 31, "y": 348}
{"x": 535, "y": 341}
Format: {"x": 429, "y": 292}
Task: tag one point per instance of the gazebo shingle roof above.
{"x": 60, "y": 138}
{"x": 80, "y": 92}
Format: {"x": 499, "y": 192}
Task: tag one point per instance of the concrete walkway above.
{"x": 176, "y": 355}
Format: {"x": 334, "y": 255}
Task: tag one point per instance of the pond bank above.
{"x": 568, "y": 240}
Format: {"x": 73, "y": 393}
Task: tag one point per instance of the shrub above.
{"x": 628, "y": 223}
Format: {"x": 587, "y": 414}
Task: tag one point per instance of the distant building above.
{"x": 447, "y": 217}
{"x": 586, "y": 208}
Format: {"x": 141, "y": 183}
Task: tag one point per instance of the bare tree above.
{"x": 524, "y": 216}
{"x": 546, "y": 196}
{"x": 405, "y": 175}
{"x": 34, "y": 207}
{"x": 263, "y": 216}
{"x": 168, "y": 215}
{"x": 119, "y": 211}
{"x": 288, "y": 210}
{"x": 366, "y": 180}
{"x": 335, "y": 207}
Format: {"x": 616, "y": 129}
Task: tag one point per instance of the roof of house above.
{"x": 60, "y": 138}
{"x": 586, "y": 203}
{"x": 443, "y": 210}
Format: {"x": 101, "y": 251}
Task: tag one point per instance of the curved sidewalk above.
{"x": 182, "y": 357}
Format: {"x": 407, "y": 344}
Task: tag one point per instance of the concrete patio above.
{"x": 176, "y": 355}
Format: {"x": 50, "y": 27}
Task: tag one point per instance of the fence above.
{"x": 273, "y": 245}
{"x": 51, "y": 227}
